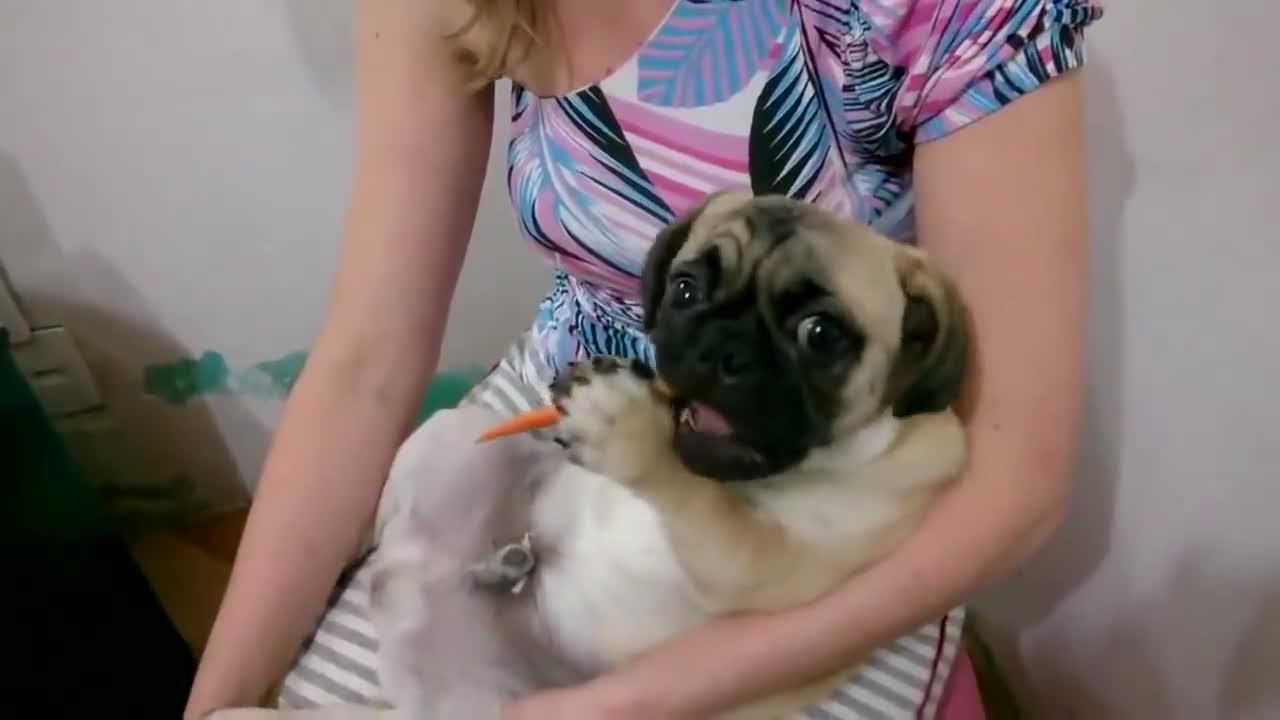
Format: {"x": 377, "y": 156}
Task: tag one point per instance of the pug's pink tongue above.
{"x": 702, "y": 418}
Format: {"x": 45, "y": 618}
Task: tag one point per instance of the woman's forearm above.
{"x": 963, "y": 543}
{"x": 312, "y": 508}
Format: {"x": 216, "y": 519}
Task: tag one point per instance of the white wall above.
{"x": 1160, "y": 598}
{"x": 172, "y": 176}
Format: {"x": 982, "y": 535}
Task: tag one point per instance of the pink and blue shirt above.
{"x": 823, "y": 100}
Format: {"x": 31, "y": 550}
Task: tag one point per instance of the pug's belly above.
{"x": 608, "y": 585}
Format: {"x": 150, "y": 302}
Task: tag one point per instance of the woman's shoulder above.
{"x": 952, "y": 61}
{"x": 414, "y": 31}
{"x": 901, "y": 29}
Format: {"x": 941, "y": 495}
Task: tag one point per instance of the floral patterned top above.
{"x": 823, "y": 100}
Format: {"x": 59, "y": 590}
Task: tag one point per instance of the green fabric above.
{"x": 51, "y": 496}
{"x": 447, "y": 389}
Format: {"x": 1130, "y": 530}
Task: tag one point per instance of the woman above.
{"x": 624, "y": 114}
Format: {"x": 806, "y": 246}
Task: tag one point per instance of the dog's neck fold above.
{"x": 859, "y": 448}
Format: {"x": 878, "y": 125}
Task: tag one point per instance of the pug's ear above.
{"x": 933, "y": 355}
{"x": 653, "y": 281}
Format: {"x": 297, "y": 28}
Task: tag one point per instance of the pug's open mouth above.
{"x": 705, "y": 439}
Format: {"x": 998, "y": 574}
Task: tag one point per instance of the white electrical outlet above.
{"x": 56, "y": 372}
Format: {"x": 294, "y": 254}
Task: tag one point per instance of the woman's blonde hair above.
{"x": 493, "y": 38}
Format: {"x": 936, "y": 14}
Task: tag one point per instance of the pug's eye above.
{"x": 822, "y": 335}
{"x": 684, "y": 292}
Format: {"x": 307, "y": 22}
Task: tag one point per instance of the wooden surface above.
{"x": 188, "y": 569}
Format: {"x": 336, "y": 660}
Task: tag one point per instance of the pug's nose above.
{"x": 727, "y": 361}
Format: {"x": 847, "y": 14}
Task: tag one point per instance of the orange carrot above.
{"x": 524, "y": 422}
{"x": 542, "y": 417}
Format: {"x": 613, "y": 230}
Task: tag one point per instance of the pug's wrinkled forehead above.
{"x": 778, "y": 244}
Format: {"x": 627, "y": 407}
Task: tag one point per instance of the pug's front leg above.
{"x": 616, "y": 423}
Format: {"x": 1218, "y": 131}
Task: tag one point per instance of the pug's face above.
{"x": 781, "y": 328}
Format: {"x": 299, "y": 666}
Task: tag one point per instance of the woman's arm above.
{"x": 1001, "y": 205}
{"x": 421, "y": 151}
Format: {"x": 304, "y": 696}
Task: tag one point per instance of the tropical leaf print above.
{"x": 827, "y": 22}
{"x": 857, "y": 82}
{"x": 685, "y": 161}
{"x": 860, "y": 89}
{"x": 870, "y": 91}
{"x": 790, "y": 137}
{"x": 579, "y": 191}
{"x": 707, "y": 50}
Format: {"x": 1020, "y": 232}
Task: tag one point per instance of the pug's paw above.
{"x": 614, "y": 421}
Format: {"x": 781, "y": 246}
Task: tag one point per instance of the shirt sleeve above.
{"x": 965, "y": 59}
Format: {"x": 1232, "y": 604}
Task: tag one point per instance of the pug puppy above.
{"x": 797, "y": 427}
